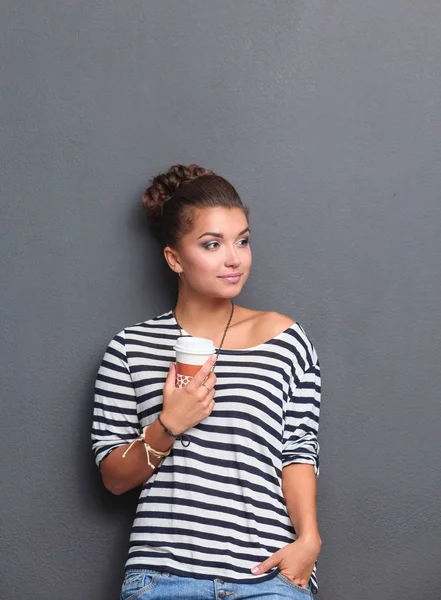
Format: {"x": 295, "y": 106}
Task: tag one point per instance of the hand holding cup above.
{"x": 186, "y": 406}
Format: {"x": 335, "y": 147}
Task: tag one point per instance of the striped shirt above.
{"x": 213, "y": 509}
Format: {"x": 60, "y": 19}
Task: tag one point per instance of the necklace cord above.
{"x": 223, "y": 337}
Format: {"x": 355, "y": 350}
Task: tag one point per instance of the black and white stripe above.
{"x": 214, "y": 508}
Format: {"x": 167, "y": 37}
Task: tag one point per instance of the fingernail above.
{"x": 212, "y": 358}
{"x": 255, "y": 570}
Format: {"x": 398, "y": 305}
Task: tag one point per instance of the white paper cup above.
{"x": 191, "y": 354}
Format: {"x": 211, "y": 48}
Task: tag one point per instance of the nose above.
{"x": 232, "y": 259}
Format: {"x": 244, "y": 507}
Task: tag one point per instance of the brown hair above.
{"x": 171, "y": 197}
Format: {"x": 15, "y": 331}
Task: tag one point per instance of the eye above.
{"x": 209, "y": 246}
{"x": 242, "y": 242}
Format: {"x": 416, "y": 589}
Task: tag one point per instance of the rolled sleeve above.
{"x": 115, "y": 418}
{"x": 300, "y": 443}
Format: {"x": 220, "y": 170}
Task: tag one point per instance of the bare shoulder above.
{"x": 266, "y": 324}
{"x": 275, "y": 323}
{"x": 254, "y": 327}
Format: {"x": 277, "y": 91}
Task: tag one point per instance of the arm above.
{"x": 116, "y": 424}
{"x": 301, "y": 454}
{"x": 300, "y": 468}
{"x": 121, "y": 474}
{"x": 299, "y": 487}
{"x": 296, "y": 560}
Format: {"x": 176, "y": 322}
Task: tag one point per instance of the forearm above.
{"x": 123, "y": 474}
{"x": 299, "y": 488}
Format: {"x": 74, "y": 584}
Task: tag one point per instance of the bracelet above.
{"x": 156, "y": 453}
{"x": 180, "y": 438}
{"x": 148, "y": 448}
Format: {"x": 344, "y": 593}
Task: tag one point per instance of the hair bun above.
{"x": 163, "y": 186}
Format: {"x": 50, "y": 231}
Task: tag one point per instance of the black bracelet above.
{"x": 180, "y": 438}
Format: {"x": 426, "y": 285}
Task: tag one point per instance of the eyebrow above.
{"x": 221, "y": 235}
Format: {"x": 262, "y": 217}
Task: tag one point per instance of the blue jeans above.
{"x": 148, "y": 584}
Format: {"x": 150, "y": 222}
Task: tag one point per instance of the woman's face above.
{"x": 217, "y": 246}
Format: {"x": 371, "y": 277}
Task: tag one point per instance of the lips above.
{"x": 232, "y": 279}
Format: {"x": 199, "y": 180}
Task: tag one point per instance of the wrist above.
{"x": 311, "y": 539}
{"x": 168, "y": 425}
{"x": 175, "y": 434}
{"x": 157, "y": 438}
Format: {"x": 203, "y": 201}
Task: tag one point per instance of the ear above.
{"x": 172, "y": 258}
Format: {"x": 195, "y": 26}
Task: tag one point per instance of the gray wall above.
{"x": 326, "y": 117}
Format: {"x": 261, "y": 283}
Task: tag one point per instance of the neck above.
{"x": 201, "y": 315}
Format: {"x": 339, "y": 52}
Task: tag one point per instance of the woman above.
{"x": 227, "y": 464}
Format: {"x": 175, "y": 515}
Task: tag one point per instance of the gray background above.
{"x": 326, "y": 117}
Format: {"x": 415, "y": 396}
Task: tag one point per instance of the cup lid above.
{"x": 194, "y": 345}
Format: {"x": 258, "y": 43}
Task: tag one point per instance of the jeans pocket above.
{"x": 291, "y": 584}
{"x": 136, "y": 583}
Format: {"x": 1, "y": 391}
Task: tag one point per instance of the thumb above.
{"x": 170, "y": 379}
{"x": 267, "y": 564}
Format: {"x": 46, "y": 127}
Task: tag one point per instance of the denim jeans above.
{"x": 147, "y": 584}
